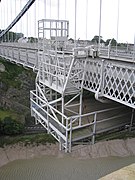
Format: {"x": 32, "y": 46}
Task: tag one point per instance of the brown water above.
{"x": 66, "y": 168}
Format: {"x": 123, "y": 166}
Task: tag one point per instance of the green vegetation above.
{"x": 27, "y": 139}
{"x": 9, "y": 126}
{"x": 14, "y": 128}
{"x": 9, "y": 77}
{"x": 12, "y": 71}
{"x": 8, "y": 113}
{"x": 113, "y": 42}
{"x": 96, "y": 39}
{"x": 32, "y": 40}
{"x": 15, "y": 85}
{"x": 11, "y": 36}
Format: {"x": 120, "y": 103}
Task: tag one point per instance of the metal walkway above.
{"x": 111, "y": 78}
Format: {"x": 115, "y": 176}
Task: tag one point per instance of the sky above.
{"x": 116, "y": 25}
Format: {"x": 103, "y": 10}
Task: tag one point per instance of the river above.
{"x": 65, "y": 168}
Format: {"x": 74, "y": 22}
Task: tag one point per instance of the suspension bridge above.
{"x": 65, "y": 69}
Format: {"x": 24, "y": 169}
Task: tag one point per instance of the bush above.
{"x": 9, "y": 126}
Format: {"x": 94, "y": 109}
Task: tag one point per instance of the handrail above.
{"x": 92, "y": 113}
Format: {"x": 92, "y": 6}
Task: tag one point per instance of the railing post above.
{"x": 48, "y": 130}
{"x": 109, "y": 51}
{"x": 132, "y": 118}
{"x": 64, "y": 60}
{"x": 134, "y": 49}
{"x": 100, "y": 91}
{"x": 109, "y": 48}
{"x": 80, "y": 110}
{"x": 60, "y": 143}
{"x": 70, "y": 136}
{"x": 94, "y": 128}
{"x": 31, "y": 97}
{"x": 66, "y": 145}
{"x": 62, "y": 109}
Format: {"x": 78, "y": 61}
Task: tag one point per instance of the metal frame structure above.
{"x": 59, "y": 80}
{"x": 64, "y": 70}
{"x": 57, "y": 101}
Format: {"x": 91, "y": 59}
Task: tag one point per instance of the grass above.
{"x": 35, "y": 139}
{"x": 8, "y": 113}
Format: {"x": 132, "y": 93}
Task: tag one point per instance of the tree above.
{"x": 71, "y": 40}
{"x": 32, "y": 40}
{"x": 96, "y": 39}
{"x": 11, "y": 36}
{"x": 9, "y": 126}
{"x": 113, "y": 42}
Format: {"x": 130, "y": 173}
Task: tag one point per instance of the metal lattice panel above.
{"x": 92, "y": 75}
{"x": 116, "y": 80}
{"x": 119, "y": 83}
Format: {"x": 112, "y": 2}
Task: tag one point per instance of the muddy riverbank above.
{"x": 113, "y": 148}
